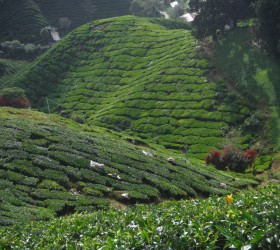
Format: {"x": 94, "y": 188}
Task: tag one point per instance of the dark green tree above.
{"x": 267, "y": 28}
{"x": 237, "y": 10}
{"x": 210, "y": 19}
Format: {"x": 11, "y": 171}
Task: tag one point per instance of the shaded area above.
{"x": 253, "y": 72}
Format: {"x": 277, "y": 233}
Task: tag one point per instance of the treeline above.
{"x": 215, "y": 16}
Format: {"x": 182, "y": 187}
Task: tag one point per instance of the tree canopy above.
{"x": 237, "y": 9}
{"x": 210, "y": 19}
{"x": 267, "y": 28}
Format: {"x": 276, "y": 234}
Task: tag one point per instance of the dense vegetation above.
{"x": 135, "y": 106}
{"x": 140, "y": 77}
{"x": 242, "y": 63}
{"x": 45, "y": 170}
{"x": 23, "y": 20}
{"x": 251, "y": 221}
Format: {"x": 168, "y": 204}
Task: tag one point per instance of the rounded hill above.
{"x": 145, "y": 77}
{"x": 50, "y": 166}
{"x": 23, "y": 19}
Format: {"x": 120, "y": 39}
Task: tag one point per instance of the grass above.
{"x": 45, "y": 171}
{"x": 250, "y": 221}
{"x": 138, "y": 76}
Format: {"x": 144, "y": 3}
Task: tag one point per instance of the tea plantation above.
{"x": 144, "y": 77}
{"x": 123, "y": 111}
{"x": 251, "y": 221}
{"x": 45, "y": 170}
{"x": 23, "y": 20}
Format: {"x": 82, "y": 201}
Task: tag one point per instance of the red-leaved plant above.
{"x": 14, "y": 102}
{"x": 232, "y": 158}
{"x": 13, "y": 97}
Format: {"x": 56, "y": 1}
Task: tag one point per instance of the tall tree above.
{"x": 237, "y": 9}
{"x": 210, "y": 19}
{"x": 268, "y": 25}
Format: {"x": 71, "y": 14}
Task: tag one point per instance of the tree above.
{"x": 267, "y": 29}
{"x": 210, "y": 19}
{"x": 46, "y": 33}
{"x": 146, "y": 8}
{"x": 237, "y": 9}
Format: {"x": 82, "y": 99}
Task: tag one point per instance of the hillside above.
{"x": 242, "y": 62}
{"x": 9, "y": 69}
{"x": 45, "y": 170}
{"x": 251, "y": 221}
{"x": 140, "y": 77}
{"x": 23, "y": 19}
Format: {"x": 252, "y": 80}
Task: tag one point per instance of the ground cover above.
{"x": 45, "y": 169}
{"x": 249, "y": 221}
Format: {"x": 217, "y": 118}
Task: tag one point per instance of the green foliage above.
{"x": 210, "y": 19}
{"x": 250, "y": 221}
{"x": 145, "y": 85}
{"x": 23, "y": 21}
{"x": 267, "y": 29}
{"x": 13, "y": 92}
{"x": 45, "y": 169}
{"x": 255, "y": 74}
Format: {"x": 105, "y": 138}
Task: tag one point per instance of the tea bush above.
{"x": 114, "y": 77}
{"x": 250, "y": 221}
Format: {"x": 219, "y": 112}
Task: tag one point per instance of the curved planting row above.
{"x": 48, "y": 169}
{"x": 130, "y": 74}
{"x": 21, "y": 20}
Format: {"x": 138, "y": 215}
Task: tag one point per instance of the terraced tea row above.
{"x": 23, "y": 20}
{"x": 9, "y": 69}
{"x": 48, "y": 168}
{"x": 130, "y": 74}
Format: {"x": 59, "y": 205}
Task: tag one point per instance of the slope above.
{"x": 23, "y": 19}
{"x": 240, "y": 60}
{"x": 9, "y": 70}
{"x": 45, "y": 170}
{"x": 252, "y": 220}
{"x": 140, "y": 77}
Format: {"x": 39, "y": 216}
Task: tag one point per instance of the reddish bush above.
{"x": 213, "y": 158}
{"x": 251, "y": 154}
{"x": 14, "y": 102}
{"x": 232, "y": 158}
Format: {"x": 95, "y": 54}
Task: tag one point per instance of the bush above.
{"x": 232, "y": 158}
{"x": 17, "y": 50}
{"x": 13, "y": 97}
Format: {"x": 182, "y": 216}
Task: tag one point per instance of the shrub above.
{"x": 214, "y": 158}
{"x": 232, "y": 158}
{"x": 13, "y": 97}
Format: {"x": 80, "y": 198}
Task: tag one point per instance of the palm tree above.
{"x": 45, "y": 33}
